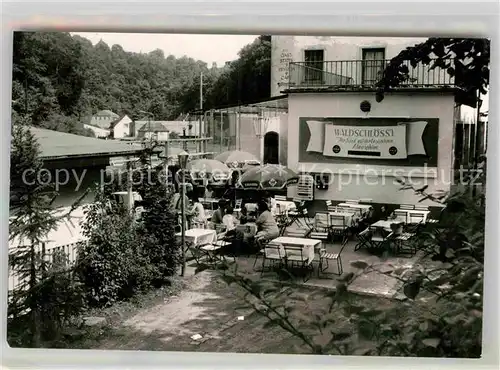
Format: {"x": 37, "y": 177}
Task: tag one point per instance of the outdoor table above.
{"x": 350, "y": 218}
{"x": 411, "y": 212}
{"x": 363, "y": 208}
{"x": 199, "y": 237}
{"x": 385, "y": 224}
{"x": 308, "y": 245}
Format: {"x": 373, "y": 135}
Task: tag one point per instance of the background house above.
{"x": 145, "y": 128}
{"x": 151, "y": 130}
{"x": 121, "y": 127}
{"x": 100, "y": 123}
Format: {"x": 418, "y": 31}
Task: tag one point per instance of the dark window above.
{"x": 271, "y": 148}
{"x": 314, "y": 61}
{"x": 373, "y": 65}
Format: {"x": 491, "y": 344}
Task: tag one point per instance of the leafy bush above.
{"x": 110, "y": 262}
{"x": 121, "y": 256}
{"x": 157, "y": 229}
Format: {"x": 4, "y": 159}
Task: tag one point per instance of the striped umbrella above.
{"x": 208, "y": 169}
{"x": 237, "y": 158}
{"x": 268, "y": 177}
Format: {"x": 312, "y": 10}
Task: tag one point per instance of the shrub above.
{"x": 110, "y": 262}
{"x": 157, "y": 229}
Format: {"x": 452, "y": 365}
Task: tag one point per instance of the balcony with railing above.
{"x": 361, "y": 75}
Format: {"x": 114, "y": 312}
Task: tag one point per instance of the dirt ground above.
{"x": 205, "y": 306}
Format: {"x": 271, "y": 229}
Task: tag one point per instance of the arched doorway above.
{"x": 271, "y": 147}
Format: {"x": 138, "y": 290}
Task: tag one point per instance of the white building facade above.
{"x": 352, "y": 146}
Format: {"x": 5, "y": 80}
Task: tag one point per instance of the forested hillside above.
{"x": 60, "y": 80}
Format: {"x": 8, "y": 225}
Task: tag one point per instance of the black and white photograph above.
{"x": 277, "y": 194}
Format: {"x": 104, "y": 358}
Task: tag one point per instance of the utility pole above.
{"x": 201, "y": 113}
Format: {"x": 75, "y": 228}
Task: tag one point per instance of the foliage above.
{"x": 123, "y": 256}
{"x": 246, "y": 79}
{"x": 60, "y": 80}
{"x": 44, "y": 299}
{"x": 465, "y": 59}
{"x": 157, "y": 227}
{"x": 440, "y": 309}
{"x": 110, "y": 261}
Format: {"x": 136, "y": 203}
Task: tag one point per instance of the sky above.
{"x": 208, "y": 48}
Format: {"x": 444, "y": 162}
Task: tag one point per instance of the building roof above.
{"x": 59, "y": 145}
{"x": 146, "y": 126}
{"x": 107, "y": 113}
{"x": 116, "y": 121}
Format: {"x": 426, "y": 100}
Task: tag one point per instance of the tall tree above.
{"x": 465, "y": 59}
{"x": 246, "y": 79}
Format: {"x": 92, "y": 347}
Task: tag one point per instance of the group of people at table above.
{"x": 246, "y": 227}
{"x": 254, "y": 223}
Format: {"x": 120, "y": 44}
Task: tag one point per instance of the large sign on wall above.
{"x": 376, "y": 141}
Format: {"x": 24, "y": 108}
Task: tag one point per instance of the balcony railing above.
{"x": 361, "y": 74}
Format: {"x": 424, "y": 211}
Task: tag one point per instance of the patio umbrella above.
{"x": 237, "y": 158}
{"x": 249, "y": 166}
{"x": 208, "y": 169}
{"x": 268, "y": 177}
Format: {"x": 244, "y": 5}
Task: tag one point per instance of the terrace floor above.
{"x": 380, "y": 282}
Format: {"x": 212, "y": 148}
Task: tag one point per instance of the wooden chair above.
{"x": 330, "y": 206}
{"x": 272, "y": 253}
{"x": 321, "y": 226}
{"x": 407, "y": 206}
{"x": 225, "y": 243}
{"x": 338, "y": 226}
{"x": 415, "y": 219}
{"x": 421, "y": 208}
{"x": 294, "y": 256}
{"x": 211, "y": 253}
{"x": 324, "y": 257}
{"x": 299, "y": 217}
{"x": 363, "y": 239}
{"x": 400, "y": 215}
{"x": 405, "y": 244}
{"x": 377, "y": 238}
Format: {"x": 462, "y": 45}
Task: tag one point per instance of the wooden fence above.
{"x": 51, "y": 253}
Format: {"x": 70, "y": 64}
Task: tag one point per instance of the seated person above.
{"x": 243, "y": 215}
{"x": 209, "y": 193}
{"x": 219, "y": 213}
{"x": 267, "y": 228}
{"x": 197, "y": 213}
{"x": 229, "y": 221}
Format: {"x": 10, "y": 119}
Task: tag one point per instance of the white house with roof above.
{"x": 107, "y": 124}
{"x": 122, "y": 127}
{"x": 146, "y": 128}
